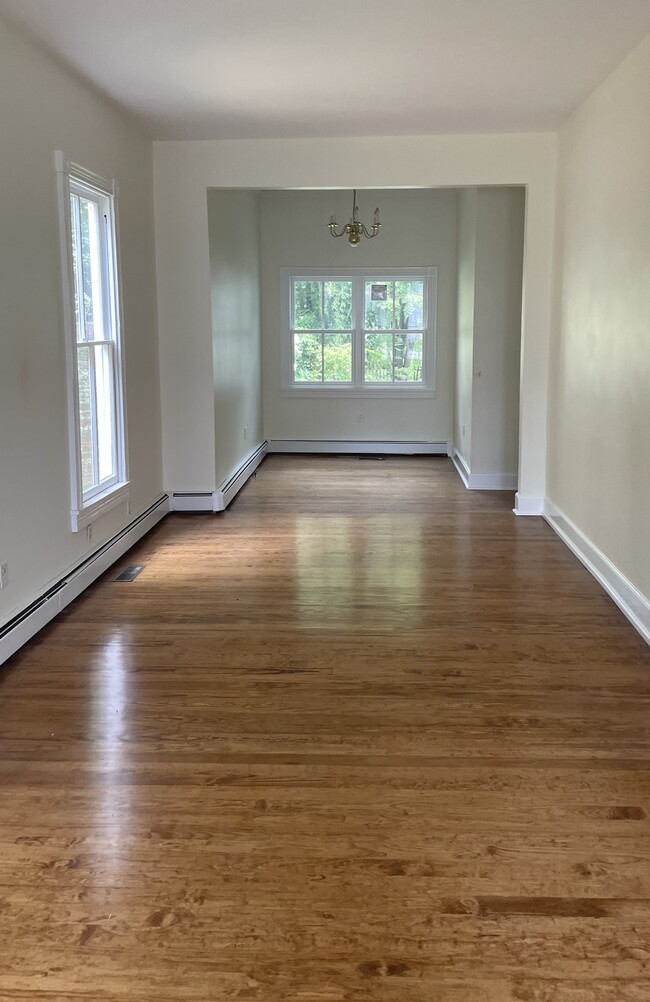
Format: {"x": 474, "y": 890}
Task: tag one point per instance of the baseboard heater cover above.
{"x": 482, "y": 481}
{"x": 231, "y": 487}
{"x": 26, "y": 623}
{"x": 347, "y": 447}
{"x": 197, "y": 501}
{"x": 192, "y": 501}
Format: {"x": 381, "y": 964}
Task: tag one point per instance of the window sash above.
{"x": 102, "y": 433}
{"x": 322, "y": 282}
{"x": 322, "y": 335}
{"x": 392, "y": 334}
{"x": 410, "y": 280}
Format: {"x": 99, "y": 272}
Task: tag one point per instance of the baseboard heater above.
{"x": 347, "y": 447}
{"x": 192, "y": 501}
{"x": 26, "y": 623}
{"x": 482, "y": 481}
{"x": 197, "y": 501}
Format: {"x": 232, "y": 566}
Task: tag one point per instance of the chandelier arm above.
{"x": 366, "y": 233}
{"x": 332, "y": 229}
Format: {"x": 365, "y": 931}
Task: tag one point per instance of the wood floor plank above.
{"x": 365, "y": 737}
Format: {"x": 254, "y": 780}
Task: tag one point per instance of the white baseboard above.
{"x": 629, "y": 599}
{"x": 238, "y": 477}
{"x": 526, "y": 504}
{"x": 354, "y": 447}
{"x": 483, "y": 481}
{"x": 219, "y": 500}
{"x": 23, "y": 626}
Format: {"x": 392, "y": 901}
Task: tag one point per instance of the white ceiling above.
{"x": 213, "y": 69}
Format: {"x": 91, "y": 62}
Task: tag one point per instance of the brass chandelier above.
{"x": 355, "y": 229}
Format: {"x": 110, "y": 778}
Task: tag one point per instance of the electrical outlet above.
{"x": 360, "y": 417}
{"x": 89, "y": 533}
{"x": 245, "y": 431}
{"x": 4, "y": 575}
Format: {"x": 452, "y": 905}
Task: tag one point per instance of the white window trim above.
{"x": 84, "y": 512}
{"x": 426, "y": 389}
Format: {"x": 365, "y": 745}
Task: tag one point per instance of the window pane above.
{"x": 408, "y": 358}
{"x": 338, "y": 358}
{"x": 379, "y": 358}
{"x": 86, "y": 409}
{"x": 379, "y": 305}
{"x": 91, "y": 269}
{"x": 76, "y": 274}
{"x": 105, "y": 410}
{"x": 409, "y": 306}
{"x": 307, "y": 306}
{"x": 338, "y": 306}
{"x": 307, "y": 358}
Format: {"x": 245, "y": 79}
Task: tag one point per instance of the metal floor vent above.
{"x": 377, "y": 459}
{"x": 129, "y": 573}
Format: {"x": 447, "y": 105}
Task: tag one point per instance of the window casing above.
{"x": 358, "y": 332}
{"x": 92, "y": 320}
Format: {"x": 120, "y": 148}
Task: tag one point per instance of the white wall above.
{"x": 44, "y": 108}
{"x": 497, "y": 330}
{"x": 599, "y": 427}
{"x": 185, "y": 170}
{"x": 465, "y": 322}
{"x": 490, "y": 265}
{"x": 418, "y": 230}
{"x": 233, "y": 223}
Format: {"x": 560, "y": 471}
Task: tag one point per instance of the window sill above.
{"x": 99, "y": 506}
{"x": 384, "y": 392}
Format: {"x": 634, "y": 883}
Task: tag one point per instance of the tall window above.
{"x": 361, "y": 331}
{"x": 92, "y": 315}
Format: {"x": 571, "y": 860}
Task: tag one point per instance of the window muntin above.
{"x": 92, "y": 317}
{"x": 365, "y": 330}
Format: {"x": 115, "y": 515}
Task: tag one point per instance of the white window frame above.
{"x": 86, "y": 506}
{"x": 358, "y": 387}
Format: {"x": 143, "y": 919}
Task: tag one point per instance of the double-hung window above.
{"x": 94, "y": 356}
{"x": 359, "y": 331}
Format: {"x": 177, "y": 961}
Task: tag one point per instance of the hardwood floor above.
{"x": 365, "y": 737}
